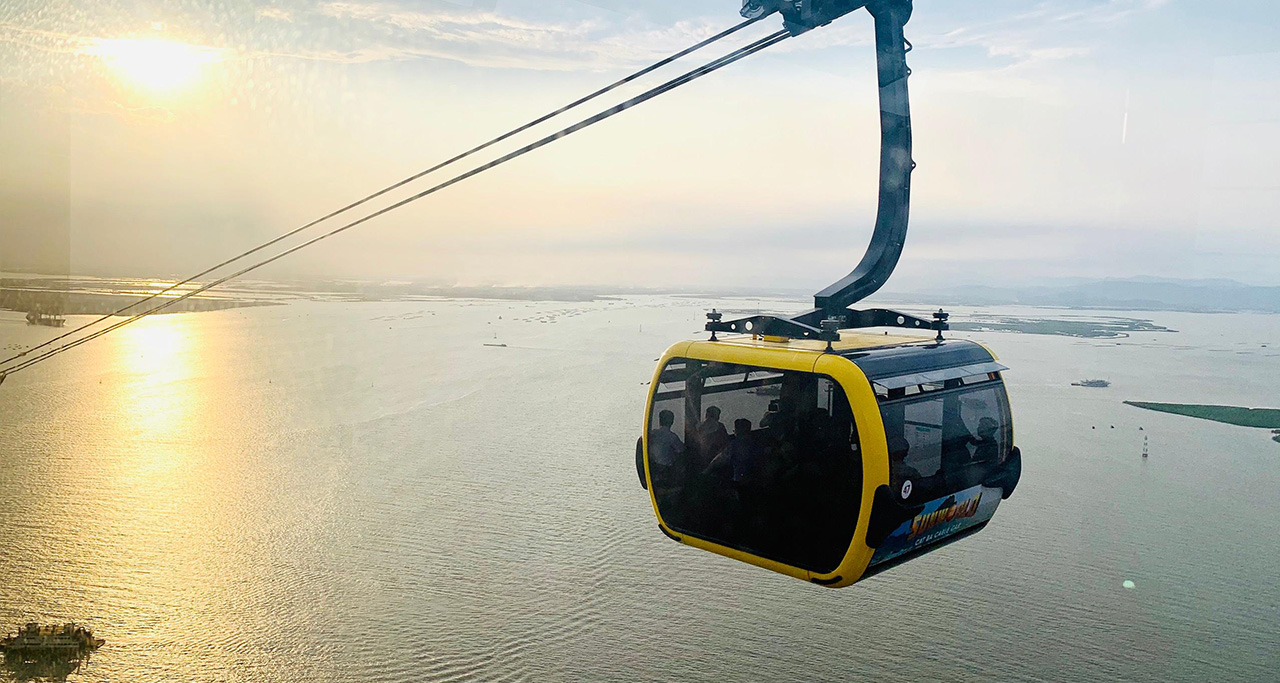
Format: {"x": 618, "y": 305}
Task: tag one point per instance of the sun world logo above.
{"x": 922, "y": 524}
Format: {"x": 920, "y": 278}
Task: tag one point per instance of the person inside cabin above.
{"x": 986, "y": 447}
{"x": 964, "y": 468}
{"x": 712, "y": 437}
{"x": 744, "y": 452}
{"x": 900, "y": 473}
{"x": 986, "y": 452}
{"x": 770, "y": 418}
{"x": 740, "y": 457}
{"x": 737, "y": 467}
{"x": 666, "y": 451}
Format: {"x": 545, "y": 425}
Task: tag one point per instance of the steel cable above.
{"x": 479, "y": 148}
{"x": 707, "y": 68}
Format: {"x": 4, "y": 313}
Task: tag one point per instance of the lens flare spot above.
{"x": 154, "y": 65}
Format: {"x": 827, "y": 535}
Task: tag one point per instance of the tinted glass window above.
{"x": 945, "y": 439}
{"x": 757, "y": 459}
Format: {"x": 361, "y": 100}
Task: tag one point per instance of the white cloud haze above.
{"x": 1102, "y": 138}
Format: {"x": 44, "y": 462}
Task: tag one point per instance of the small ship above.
{"x": 46, "y": 319}
{"x": 1092, "y": 383}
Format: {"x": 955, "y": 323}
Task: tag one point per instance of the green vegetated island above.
{"x": 1264, "y": 418}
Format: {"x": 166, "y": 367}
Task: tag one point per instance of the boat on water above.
{"x": 46, "y": 319}
{"x": 1092, "y": 383}
{"x": 52, "y": 639}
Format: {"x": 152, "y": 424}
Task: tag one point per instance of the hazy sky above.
{"x": 1054, "y": 138}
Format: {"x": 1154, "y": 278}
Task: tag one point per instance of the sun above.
{"x": 155, "y": 65}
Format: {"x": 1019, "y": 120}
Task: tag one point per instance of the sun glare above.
{"x": 158, "y": 66}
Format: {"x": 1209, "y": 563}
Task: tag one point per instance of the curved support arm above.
{"x": 895, "y": 165}
{"x": 831, "y": 306}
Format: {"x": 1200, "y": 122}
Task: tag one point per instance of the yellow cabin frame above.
{"x": 807, "y": 356}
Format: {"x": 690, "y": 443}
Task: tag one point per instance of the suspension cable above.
{"x": 479, "y": 148}
{"x": 707, "y": 68}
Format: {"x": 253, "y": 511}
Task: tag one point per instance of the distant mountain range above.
{"x": 1142, "y": 294}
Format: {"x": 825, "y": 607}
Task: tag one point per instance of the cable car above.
{"x": 809, "y": 446}
{"x": 829, "y": 463}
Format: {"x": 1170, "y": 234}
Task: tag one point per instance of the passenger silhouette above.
{"x": 770, "y": 418}
{"x": 712, "y": 437}
{"x": 666, "y": 451}
{"x": 904, "y": 479}
{"x": 743, "y": 452}
{"x": 740, "y": 457}
{"x": 986, "y": 447}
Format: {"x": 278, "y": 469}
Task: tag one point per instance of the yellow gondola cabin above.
{"x": 827, "y": 465}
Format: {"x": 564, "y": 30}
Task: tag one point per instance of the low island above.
{"x": 1263, "y": 418}
{"x": 1104, "y": 327}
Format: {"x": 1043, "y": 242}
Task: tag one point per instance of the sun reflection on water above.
{"x": 157, "y": 403}
{"x": 115, "y": 511}
{"x": 159, "y": 493}
{"x": 157, "y": 393}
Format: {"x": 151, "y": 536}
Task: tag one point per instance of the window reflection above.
{"x": 756, "y": 459}
{"x": 945, "y": 438}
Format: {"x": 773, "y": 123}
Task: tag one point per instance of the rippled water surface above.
{"x": 365, "y": 492}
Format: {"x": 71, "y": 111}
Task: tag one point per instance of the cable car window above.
{"x": 922, "y": 431}
{"x": 942, "y": 442}
{"x": 756, "y": 459}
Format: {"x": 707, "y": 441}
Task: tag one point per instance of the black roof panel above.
{"x": 892, "y": 361}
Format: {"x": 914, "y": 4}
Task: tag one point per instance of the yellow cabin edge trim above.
{"x": 994, "y": 357}
{"x": 874, "y": 453}
{"x": 799, "y": 360}
{"x": 800, "y": 357}
{"x": 676, "y": 350}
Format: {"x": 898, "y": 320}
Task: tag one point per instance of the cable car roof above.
{"x": 892, "y": 361}
{"x": 900, "y": 366}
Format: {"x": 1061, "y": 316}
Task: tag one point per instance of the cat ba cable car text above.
{"x": 805, "y": 444}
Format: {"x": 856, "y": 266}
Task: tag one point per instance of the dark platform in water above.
{"x": 35, "y": 639}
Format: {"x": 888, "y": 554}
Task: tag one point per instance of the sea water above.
{"x": 331, "y": 491}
